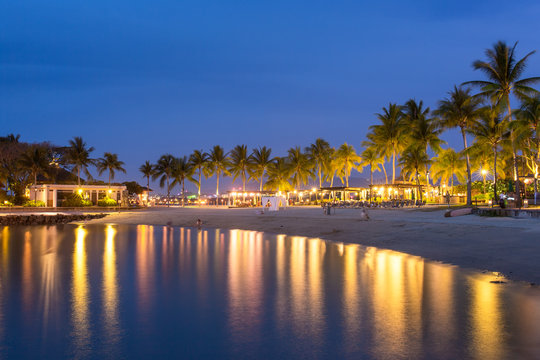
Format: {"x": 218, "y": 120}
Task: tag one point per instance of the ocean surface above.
{"x": 155, "y": 292}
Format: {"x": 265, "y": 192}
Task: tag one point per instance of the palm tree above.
{"x": 199, "y": 160}
{"x": 259, "y": 161}
{"x": 503, "y": 71}
{"x": 163, "y": 170}
{"x": 239, "y": 164}
{"x": 389, "y": 136}
{"x": 371, "y": 158}
{"x": 218, "y": 164}
{"x": 319, "y": 152}
{"x": 414, "y": 160}
{"x": 78, "y": 155}
{"x": 36, "y": 161}
{"x": 348, "y": 159}
{"x": 300, "y": 165}
{"x": 279, "y": 173}
{"x": 111, "y": 163}
{"x": 490, "y": 131}
{"x": 446, "y": 165}
{"x": 147, "y": 170}
{"x": 182, "y": 170}
{"x": 460, "y": 109}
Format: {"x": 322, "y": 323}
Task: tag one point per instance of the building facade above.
{"x": 53, "y": 194}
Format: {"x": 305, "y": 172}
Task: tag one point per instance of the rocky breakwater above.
{"x": 46, "y": 219}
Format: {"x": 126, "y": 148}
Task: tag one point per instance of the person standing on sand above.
{"x": 447, "y": 198}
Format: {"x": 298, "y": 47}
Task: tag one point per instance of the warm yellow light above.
{"x": 313, "y": 189}
{"x": 294, "y": 191}
{"x": 79, "y": 191}
{"x": 245, "y": 194}
{"x": 484, "y": 172}
{"x": 109, "y": 191}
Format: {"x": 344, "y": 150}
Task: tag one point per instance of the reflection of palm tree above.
{"x": 260, "y": 160}
{"x": 147, "y": 170}
{"x": 78, "y": 155}
{"x": 111, "y": 163}
{"x": 279, "y": 173}
{"x": 527, "y": 127}
{"x": 218, "y": 164}
{"x": 504, "y": 72}
{"x": 490, "y": 131}
{"x": 460, "y": 110}
{"x": 199, "y": 160}
{"x": 319, "y": 153}
{"x": 389, "y": 136}
{"x": 414, "y": 160}
{"x": 163, "y": 171}
{"x": 300, "y": 165}
{"x": 182, "y": 170}
{"x": 446, "y": 165}
{"x": 348, "y": 159}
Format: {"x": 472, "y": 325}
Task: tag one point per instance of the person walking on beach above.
{"x": 447, "y": 198}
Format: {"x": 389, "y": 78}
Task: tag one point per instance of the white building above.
{"x": 53, "y": 194}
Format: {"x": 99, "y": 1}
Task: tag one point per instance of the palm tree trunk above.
{"x": 78, "y": 176}
{"x": 168, "y": 192}
{"x": 183, "y": 193}
{"x": 385, "y": 174}
{"x": 370, "y": 180}
{"x": 393, "y": 166}
{"x": 109, "y": 178}
{"x": 218, "y": 173}
{"x": 514, "y": 156}
{"x": 494, "y": 175}
{"x": 199, "y": 185}
{"x": 419, "y": 189}
{"x": 469, "y": 181}
{"x": 320, "y": 175}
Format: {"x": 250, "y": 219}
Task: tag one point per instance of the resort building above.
{"x": 53, "y": 194}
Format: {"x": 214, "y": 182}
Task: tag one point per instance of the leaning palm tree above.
{"x": 78, "y": 155}
{"x": 163, "y": 170}
{"x": 461, "y": 110}
{"x": 147, "y": 170}
{"x": 414, "y": 160}
{"x": 36, "y": 161}
{"x": 504, "y": 71}
{"x": 182, "y": 170}
{"x": 300, "y": 165}
{"x": 348, "y": 159}
{"x": 279, "y": 173}
{"x": 447, "y": 165}
{"x": 389, "y": 136}
{"x": 490, "y": 131}
{"x": 109, "y": 162}
{"x": 259, "y": 161}
{"x": 199, "y": 160}
{"x": 218, "y": 163}
{"x": 319, "y": 152}
{"x": 239, "y": 164}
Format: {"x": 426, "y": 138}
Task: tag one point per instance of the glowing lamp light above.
{"x": 109, "y": 191}
{"x": 79, "y": 191}
{"x": 313, "y": 189}
{"x": 484, "y": 172}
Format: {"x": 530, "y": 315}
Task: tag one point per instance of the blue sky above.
{"x": 143, "y": 78}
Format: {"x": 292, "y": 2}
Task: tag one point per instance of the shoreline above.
{"x": 503, "y": 245}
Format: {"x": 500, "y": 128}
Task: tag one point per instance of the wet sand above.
{"x": 510, "y": 246}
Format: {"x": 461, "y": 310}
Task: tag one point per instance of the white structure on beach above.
{"x": 274, "y": 203}
{"x": 53, "y": 194}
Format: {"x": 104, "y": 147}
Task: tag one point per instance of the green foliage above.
{"x": 107, "y": 201}
{"x": 133, "y": 187}
{"x": 75, "y": 200}
{"x": 34, "y": 203}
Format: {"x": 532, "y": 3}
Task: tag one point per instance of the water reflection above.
{"x": 110, "y": 291}
{"x": 80, "y": 296}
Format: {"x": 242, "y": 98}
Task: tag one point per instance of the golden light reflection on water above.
{"x": 145, "y": 257}
{"x": 110, "y": 288}
{"x": 80, "y": 295}
{"x": 3, "y": 275}
{"x": 50, "y": 283}
{"x": 27, "y": 276}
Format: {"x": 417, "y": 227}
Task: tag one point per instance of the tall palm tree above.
{"x": 319, "y": 152}
{"x": 147, "y": 169}
{"x": 218, "y": 164}
{"x": 78, "y": 155}
{"x": 111, "y": 163}
{"x": 461, "y": 110}
{"x": 259, "y": 160}
{"x": 414, "y": 160}
{"x": 348, "y": 159}
{"x": 239, "y": 164}
{"x": 300, "y": 165}
{"x": 182, "y": 170}
{"x": 374, "y": 160}
{"x": 504, "y": 71}
{"x": 389, "y": 136}
{"x": 491, "y": 130}
{"x": 447, "y": 165}
{"x": 279, "y": 173}
{"x": 35, "y": 160}
{"x": 199, "y": 160}
{"x": 163, "y": 170}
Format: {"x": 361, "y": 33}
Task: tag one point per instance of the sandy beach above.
{"x": 507, "y": 245}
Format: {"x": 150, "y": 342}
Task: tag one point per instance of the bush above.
{"x": 34, "y": 203}
{"x": 75, "y": 200}
{"x": 107, "y": 201}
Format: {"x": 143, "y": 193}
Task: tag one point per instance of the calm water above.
{"x": 156, "y": 292}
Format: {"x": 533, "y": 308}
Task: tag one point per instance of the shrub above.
{"x": 107, "y": 201}
{"x": 34, "y": 203}
{"x": 75, "y": 200}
